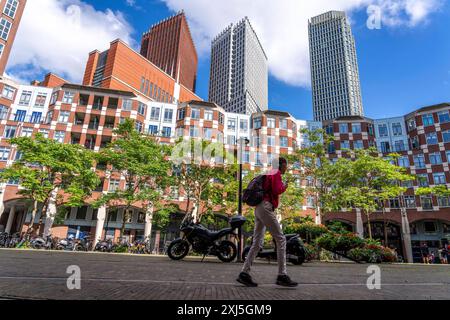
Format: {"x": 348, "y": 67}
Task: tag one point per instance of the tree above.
{"x": 51, "y": 172}
{"x": 313, "y": 164}
{"x": 144, "y": 165}
{"x": 203, "y": 169}
{"x": 367, "y": 181}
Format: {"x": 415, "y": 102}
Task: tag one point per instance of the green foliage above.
{"x": 142, "y": 161}
{"x": 307, "y": 230}
{"x": 339, "y": 242}
{"x": 47, "y": 166}
{"x": 161, "y": 218}
{"x": 121, "y": 249}
{"x": 372, "y": 254}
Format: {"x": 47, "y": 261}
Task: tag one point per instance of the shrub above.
{"x": 121, "y": 249}
{"x": 340, "y": 242}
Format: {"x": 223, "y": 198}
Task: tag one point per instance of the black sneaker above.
{"x": 246, "y": 280}
{"x": 285, "y": 281}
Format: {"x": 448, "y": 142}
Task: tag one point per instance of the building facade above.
{"x": 239, "y": 70}
{"x": 122, "y": 68}
{"x": 87, "y": 115}
{"x": 11, "y": 14}
{"x": 169, "y": 45}
{"x": 334, "y": 67}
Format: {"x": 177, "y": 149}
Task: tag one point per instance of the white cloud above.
{"x": 57, "y": 36}
{"x": 282, "y": 25}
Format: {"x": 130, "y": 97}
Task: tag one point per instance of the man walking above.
{"x": 265, "y": 218}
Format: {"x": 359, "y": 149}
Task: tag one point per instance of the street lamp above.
{"x": 240, "y": 236}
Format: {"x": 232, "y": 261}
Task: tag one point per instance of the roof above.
{"x": 277, "y": 113}
{"x": 350, "y": 118}
{"x": 98, "y": 90}
{"x": 430, "y": 108}
{"x": 203, "y": 103}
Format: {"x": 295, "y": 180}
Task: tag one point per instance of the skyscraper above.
{"x": 11, "y": 14}
{"x": 334, "y": 67}
{"x": 169, "y": 45}
{"x": 239, "y": 72}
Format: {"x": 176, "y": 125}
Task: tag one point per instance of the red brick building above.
{"x": 122, "y": 68}
{"x": 11, "y": 14}
{"x": 169, "y": 45}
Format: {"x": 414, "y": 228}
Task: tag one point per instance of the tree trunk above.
{"x": 124, "y": 221}
{"x": 385, "y": 228}
{"x": 33, "y": 216}
{"x": 369, "y": 225}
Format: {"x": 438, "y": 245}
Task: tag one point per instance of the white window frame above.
{"x": 11, "y": 6}
{"x": 5, "y": 25}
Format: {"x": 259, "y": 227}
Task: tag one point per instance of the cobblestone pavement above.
{"x": 26, "y": 274}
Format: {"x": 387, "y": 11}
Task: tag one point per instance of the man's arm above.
{"x": 277, "y": 185}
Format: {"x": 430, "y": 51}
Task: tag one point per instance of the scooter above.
{"x": 105, "y": 246}
{"x": 66, "y": 244}
{"x": 41, "y": 243}
{"x": 295, "y": 250}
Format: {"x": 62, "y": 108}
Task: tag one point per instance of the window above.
{"x": 397, "y": 129}
{"x": 193, "y": 132}
{"x": 446, "y": 136}
{"x": 40, "y": 100}
{"x": 271, "y": 141}
{"x": 64, "y": 116}
{"x": 284, "y": 142}
{"x": 403, "y": 162}
{"x": 270, "y": 123}
{"x": 44, "y": 133}
{"x": 345, "y": 144}
{"x": 27, "y": 132}
{"x": 382, "y": 130}
{"x": 49, "y": 117}
{"x": 141, "y": 108}
{"x": 422, "y": 180}
{"x": 243, "y": 125}
{"x": 209, "y": 115}
{"x": 221, "y": 118}
{"x": 283, "y": 124}
{"x": 113, "y": 185}
{"x": 343, "y": 128}
{"x": 358, "y": 144}
{"x": 207, "y": 133}
{"x": 439, "y": 178}
{"x": 139, "y": 126}
{"x": 231, "y": 139}
{"x": 81, "y": 213}
{"x": 411, "y": 124}
{"x": 179, "y": 132}
{"x": 195, "y": 113}
{"x": 232, "y": 124}
{"x": 11, "y": 8}
{"x": 20, "y": 116}
{"x": 394, "y": 203}
{"x": 256, "y": 142}
{"x": 152, "y": 129}
{"x": 5, "y": 27}
{"x": 59, "y": 136}
{"x": 10, "y": 132}
{"x": 432, "y": 138}
{"x": 257, "y": 123}
{"x": 410, "y": 201}
{"x": 427, "y": 119}
{"x": 245, "y": 156}
{"x": 429, "y": 226}
{"x": 419, "y": 161}
{"x": 4, "y": 153}
{"x": 399, "y": 145}
{"x": 427, "y": 203}
{"x": 54, "y": 98}
{"x": 3, "y": 112}
{"x": 25, "y": 98}
{"x": 258, "y": 159}
{"x": 443, "y": 202}
{"x": 8, "y": 92}
{"x": 127, "y": 104}
{"x": 167, "y": 131}
{"x": 356, "y": 128}
{"x": 181, "y": 114}
{"x": 68, "y": 97}
{"x": 447, "y": 154}
{"x": 168, "y": 115}
{"x": 2, "y": 47}
{"x": 435, "y": 158}
{"x": 444, "y": 116}
{"x": 154, "y": 113}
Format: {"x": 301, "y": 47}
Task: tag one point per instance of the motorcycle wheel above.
{"x": 178, "y": 249}
{"x": 227, "y": 251}
{"x": 300, "y": 253}
{"x": 78, "y": 247}
{"x": 245, "y": 253}
{"x": 36, "y": 246}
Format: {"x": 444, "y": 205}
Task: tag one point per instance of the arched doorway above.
{"x": 393, "y": 239}
{"x": 428, "y": 236}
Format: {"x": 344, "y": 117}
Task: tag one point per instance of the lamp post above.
{"x": 240, "y": 236}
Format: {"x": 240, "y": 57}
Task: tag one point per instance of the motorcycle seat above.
{"x": 219, "y": 234}
{"x": 289, "y": 236}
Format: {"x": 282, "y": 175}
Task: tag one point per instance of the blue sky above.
{"x": 401, "y": 67}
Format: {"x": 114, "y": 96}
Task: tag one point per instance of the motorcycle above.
{"x": 67, "y": 244}
{"x": 105, "y": 246}
{"x": 204, "y": 241}
{"x": 295, "y": 250}
{"x": 84, "y": 244}
{"x": 41, "y": 243}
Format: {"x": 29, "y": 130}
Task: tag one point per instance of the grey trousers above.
{"x": 265, "y": 218}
